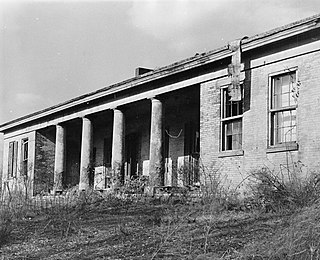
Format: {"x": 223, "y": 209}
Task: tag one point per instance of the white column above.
{"x": 59, "y": 159}
{"x": 86, "y": 153}
{"x": 118, "y": 144}
{"x": 156, "y": 164}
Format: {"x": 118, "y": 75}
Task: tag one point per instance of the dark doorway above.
{"x": 132, "y": 156}
{"x": 73, "y": 153}
{"x": 191, "y": 152}
{"x": 107, "y": 152}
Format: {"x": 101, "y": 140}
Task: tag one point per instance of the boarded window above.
{"x": 12, "y": 159}
{"x": 231, "y": 122}
{"x": 283, "y": 109}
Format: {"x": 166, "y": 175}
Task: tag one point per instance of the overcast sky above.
{"x": 52, "y": 51}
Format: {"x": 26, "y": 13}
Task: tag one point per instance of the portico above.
{"x": 105, "y": 149}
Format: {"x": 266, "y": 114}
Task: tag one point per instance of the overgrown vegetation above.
{"x": 277, "y": 219}
{"x": 286, "y": 190}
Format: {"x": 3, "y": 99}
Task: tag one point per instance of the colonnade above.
{"x": 118, "y": 148}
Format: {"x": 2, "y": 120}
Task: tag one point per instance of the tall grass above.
{"x": 274, "y": 191}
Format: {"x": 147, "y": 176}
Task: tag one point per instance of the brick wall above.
{"x": 235, "y": 168}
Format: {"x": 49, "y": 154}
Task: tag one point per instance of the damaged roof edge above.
{"x": 180, "y": 66}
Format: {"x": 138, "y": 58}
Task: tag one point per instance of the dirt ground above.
{"x": 139, "y": 231}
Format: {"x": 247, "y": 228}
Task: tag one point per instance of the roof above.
{"x": 248, "y": 43}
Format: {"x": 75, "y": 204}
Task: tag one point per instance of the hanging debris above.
{"x": 234, "y": 90}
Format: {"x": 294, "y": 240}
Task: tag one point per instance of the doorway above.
{"x": 132, "y": 156}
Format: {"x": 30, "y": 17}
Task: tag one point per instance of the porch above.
{"x": 156, "y": 139}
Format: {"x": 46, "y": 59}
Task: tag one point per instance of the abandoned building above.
{"x": 249, "y": 104}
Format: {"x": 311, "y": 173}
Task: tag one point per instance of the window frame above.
{"x": 272, "y": 111}
{"x": 24, "y": 149}
{"x": 12, "y": 159}
{"x": 24, "y": 156}
{"x": 224, "y": 119}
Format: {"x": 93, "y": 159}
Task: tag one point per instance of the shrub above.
{"x": 217, "y": 193}
{"x": 272, "y": 191}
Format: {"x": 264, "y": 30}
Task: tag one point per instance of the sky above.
{"x": 52, "y": 51}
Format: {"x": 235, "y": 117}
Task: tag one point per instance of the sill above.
{"x": 283, "y": 147}
{"x": 230, "y": 153}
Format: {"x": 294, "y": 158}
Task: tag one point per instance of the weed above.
{"x": 299, "y": 238}
{"x": 6, "y": 226}
{"x": 272, "y": 191}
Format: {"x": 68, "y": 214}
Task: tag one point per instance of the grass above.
{"x": 139, "y": 230}
{"x": 299, "y": 238}
{"x": 92, "y": 225}
{"x": 134, "y": 232}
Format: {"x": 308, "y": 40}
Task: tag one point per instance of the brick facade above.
{"x": 256, "y": 150}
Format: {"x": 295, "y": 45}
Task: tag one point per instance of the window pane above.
{"x": 284, "y": 100}
{"x": 229, "y": 129}
{"x": 286, "y": 115}
{"x": 283, "y": 127}
{"x": 278, "y": 118}
{"x": 15, "y": 156}
{"x": 285, "y": 83}
{"x": 232, "y": 136}
{"x": 236, "y": 142}
{"x": 276, "y": 92}
{"x": 282, "y": 87}
{"x": 24, "y": 149}
{"x": 230, "y": 108}
{"x": 229, "y": 143}
{"x": 10, "y": 160}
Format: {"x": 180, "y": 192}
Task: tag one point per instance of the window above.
{"x": 231, "y": 121}
{"x": 283, "y": 109}
{"x": 12, "y": 159}
{"x": 24, "y": 156}
{"x": 24, "y": 146}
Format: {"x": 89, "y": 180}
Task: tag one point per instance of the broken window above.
{"x": 283, "y": 108}
{"x": 12, "y": 159}
{"x": 231, "y": 121}
{"x": 24, "y": 156}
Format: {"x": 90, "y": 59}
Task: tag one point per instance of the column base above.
{"x": 83, "y": 186}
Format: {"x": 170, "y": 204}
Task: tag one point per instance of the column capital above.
{"x": 155, "y": 99}
{"x": 85, "y": 116}
{"x": 117, "y": 110}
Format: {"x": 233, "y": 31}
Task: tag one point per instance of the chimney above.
{"x": 140, "y": 71}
